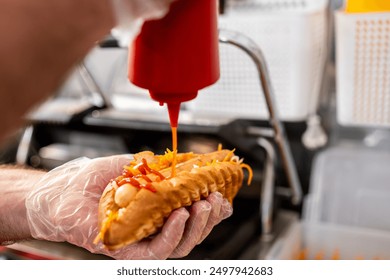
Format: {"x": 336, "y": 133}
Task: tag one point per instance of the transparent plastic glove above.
{"x": 182, "y": 231}
{"x": 63, "y": 206}
{"x": 204, "y": 216}
{"x": 131, "y": 14}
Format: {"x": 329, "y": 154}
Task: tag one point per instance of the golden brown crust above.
{"x": 196, "y": 178}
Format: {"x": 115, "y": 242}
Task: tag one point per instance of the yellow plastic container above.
{"x": 367, "y": 6}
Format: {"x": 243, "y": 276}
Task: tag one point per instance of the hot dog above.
{"x": 136, "y": 204}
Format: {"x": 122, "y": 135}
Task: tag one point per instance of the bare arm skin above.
{"x": 40, "y": 41}
{"x": 15, "y": 183}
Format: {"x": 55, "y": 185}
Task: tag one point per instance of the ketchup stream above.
{"x": 174, "y": 148}
{"x": 173, "y": 111}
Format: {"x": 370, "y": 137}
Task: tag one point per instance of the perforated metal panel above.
{"x": 363, "y": 55}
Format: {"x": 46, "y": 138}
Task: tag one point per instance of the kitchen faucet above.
{"x": 277, "y": 133}
{"x": 249, "y": 47}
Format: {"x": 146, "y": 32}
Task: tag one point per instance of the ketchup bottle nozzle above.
{"x": 173, "y": 110}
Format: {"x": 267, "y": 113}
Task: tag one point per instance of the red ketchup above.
{"x": 176, "y": 56}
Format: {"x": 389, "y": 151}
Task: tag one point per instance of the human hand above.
{"x": 182, "y": 231}
{"x": 131, "y": 14}
{"x": 146, "y": 9}
{"x": 63, "y": 206}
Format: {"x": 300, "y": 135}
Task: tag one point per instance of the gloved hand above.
{"x": 63, "y": 206}
{"x": 131, "y": 14}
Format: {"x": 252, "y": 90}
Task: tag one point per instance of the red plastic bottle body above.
{"x": 177, "y": 55}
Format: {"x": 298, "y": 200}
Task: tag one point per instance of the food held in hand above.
{"x": 136, "y": 204}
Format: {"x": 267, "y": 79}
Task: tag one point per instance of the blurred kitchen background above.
{"x": 330, "y": 79}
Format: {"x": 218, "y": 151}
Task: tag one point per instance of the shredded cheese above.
{"x": 250, "y": 172}
{"x": 229, "y": 155}
{"x": 236, "y": 160}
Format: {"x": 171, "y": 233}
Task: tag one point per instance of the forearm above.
{"x": 15, "y": 184}
{"x": 41, "y": 41}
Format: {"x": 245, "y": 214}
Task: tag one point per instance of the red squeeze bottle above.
{"x": 176, "y": 56}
